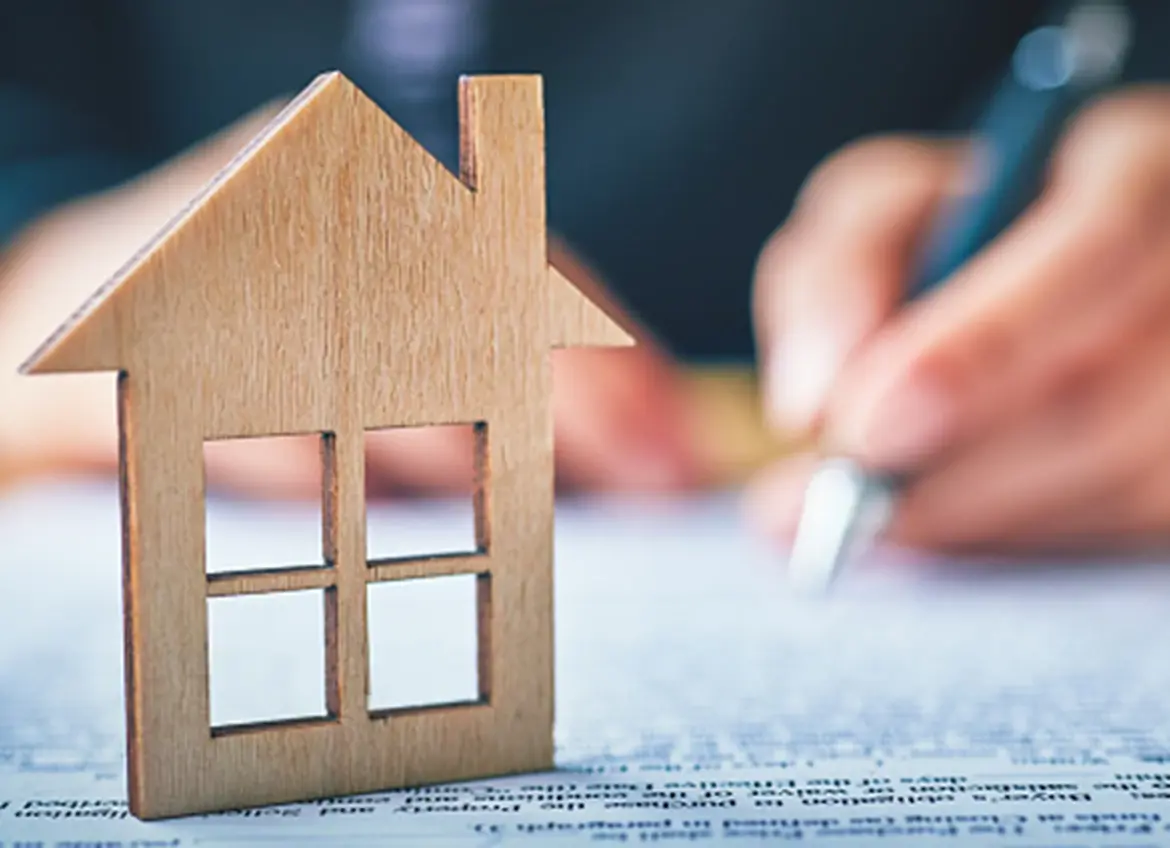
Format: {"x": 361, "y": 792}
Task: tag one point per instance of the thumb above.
{"x": 833, "y": 273}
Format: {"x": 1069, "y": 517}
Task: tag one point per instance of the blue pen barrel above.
{"x": 1055, "y": 71}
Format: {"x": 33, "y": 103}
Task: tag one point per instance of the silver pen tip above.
{"x": 843, "y": 506}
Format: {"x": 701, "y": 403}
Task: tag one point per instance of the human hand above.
{"x": 1029, "y": 396}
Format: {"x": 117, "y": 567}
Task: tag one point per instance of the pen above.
{"x": 1054, "y": 70}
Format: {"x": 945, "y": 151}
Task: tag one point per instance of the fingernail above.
{"x": 801, "y": 372}
{"x": 905, "y": 426}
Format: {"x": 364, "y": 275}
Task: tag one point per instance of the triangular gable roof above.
{"x": 221, "y": 178}
{"x": 583, "y": 321}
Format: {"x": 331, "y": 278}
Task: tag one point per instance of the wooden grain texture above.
{"x": 335, "y": 279}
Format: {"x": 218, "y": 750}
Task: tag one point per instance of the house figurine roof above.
{"x": 342, "y": 119}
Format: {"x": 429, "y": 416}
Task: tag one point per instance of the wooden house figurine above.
{"x": 333, "y": 279}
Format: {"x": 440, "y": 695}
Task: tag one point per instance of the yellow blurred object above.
{"x": 732, "y": 432}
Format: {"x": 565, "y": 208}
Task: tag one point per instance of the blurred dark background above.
{"x": 678, "y": 130}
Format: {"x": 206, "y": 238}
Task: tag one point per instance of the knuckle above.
{"x": 1120, "y": 144}
{"x": 876, "y": 182}
{"x": 862, "y": 158}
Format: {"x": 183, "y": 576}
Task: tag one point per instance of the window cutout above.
{"x": 267, "y": 658}
{"x": 286, "y": 528}
{"x": 424, "y": 641}
{"x": 408, "y": 461}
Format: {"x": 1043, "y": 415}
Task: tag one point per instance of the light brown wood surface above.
{"x": 335, "y": 279}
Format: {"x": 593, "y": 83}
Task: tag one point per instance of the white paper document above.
{"x": 698, "y": 701}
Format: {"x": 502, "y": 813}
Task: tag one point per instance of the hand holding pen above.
{"x": 1024, "y": 403}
